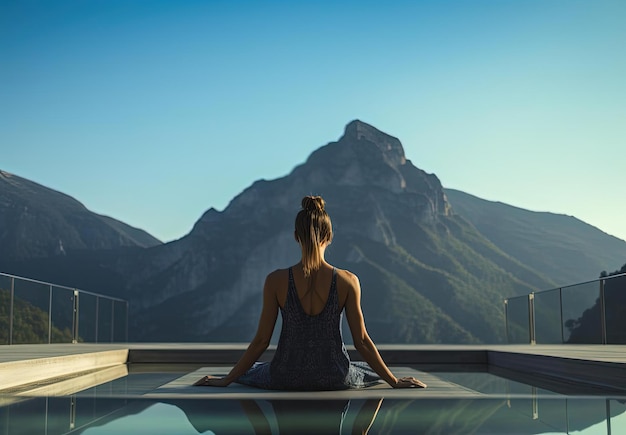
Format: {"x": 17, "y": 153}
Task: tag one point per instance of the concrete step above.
{"x": 54, "y": 363}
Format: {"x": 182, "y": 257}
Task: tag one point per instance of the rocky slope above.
{"x": 38, "y": 222}
{"x": 562, "y": 247}
{"x": 427, "y": 274}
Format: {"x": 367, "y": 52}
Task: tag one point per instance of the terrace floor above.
{"x": 582, "y": 369}
{"x": 146, "y": 388}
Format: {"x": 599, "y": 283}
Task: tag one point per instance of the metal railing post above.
{"x": 112, "y": 320}
{"x": 75, "y": 317}
{"x": 50, "y": 316}
{"x": 602, "y": 312}
{"x": 97, "y": 312}
{"x": 506, "y": 320}
{"x": 12, "y": 298}
{"x": 127, "y": 307}
{"x": 561, "y": 307}
{"x": 531, "y": 318}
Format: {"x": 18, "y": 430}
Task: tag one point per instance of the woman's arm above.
{"x": 362, "y": 341}
{"x": 259, "y": 343}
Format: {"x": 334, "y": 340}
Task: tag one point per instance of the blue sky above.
{"x": 153, "y": 111}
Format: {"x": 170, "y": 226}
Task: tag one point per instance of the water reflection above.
{"x": 539, "y": 415}
{"x": 263, "y": 417}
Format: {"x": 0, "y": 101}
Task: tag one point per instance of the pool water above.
{"x": 506, "y": 407}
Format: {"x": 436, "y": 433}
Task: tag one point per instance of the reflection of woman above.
{"x": 300, "y": 417}
{"x": 311, "y": 297}
{"x": 317, "y": 417}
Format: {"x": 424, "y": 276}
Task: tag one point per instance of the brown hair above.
{"x": 313, "y": 227}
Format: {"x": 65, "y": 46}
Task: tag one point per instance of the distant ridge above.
{"x": 562, "y": 247}
{"x": 37, "y": 222}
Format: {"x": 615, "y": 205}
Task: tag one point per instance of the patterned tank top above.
{"x": 310, "y": 354}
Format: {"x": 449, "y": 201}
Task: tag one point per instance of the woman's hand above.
{"x": 409, "y": 382}
{"x": 212, "y": 381}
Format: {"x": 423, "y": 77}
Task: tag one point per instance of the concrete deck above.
{"x": 602, "y": 367}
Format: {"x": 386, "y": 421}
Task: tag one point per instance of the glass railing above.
{"x": 33, "y": 311}
{"x": 591, "y": 312}
{"x": 517, "y": 318}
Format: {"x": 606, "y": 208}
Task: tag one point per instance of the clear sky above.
{"x": 154, "y": 111}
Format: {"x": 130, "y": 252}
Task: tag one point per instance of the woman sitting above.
{"x": 311, "y": 296}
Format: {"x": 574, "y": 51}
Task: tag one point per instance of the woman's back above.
{"x": 313, "y": 292}
{"x": 310, "y": 354}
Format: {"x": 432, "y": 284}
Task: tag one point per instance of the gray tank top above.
{"x": 310, "y": 354}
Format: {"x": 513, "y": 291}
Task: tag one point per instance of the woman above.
{"x": 311, "y": 297}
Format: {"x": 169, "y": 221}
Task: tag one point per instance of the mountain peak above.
{"x": 358, "y": 130}
{"x": 356, "y": 126}
{"x": 391, "y": 147}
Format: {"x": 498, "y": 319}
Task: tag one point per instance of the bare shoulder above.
{"x": 347, "y": 280}
{"x": 276, "y": 285}
{"x": 276, "y": 277}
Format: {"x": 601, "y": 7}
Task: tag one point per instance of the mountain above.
{"x": 431, "y": 271}
{"x": 38, "y": 222}
{"x": 561, "y": 247}
{"x": 427, "y": 274}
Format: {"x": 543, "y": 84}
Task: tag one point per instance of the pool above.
{"x": 501, "y": 405}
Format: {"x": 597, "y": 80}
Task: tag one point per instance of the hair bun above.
{"x": 313, "y": 203}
